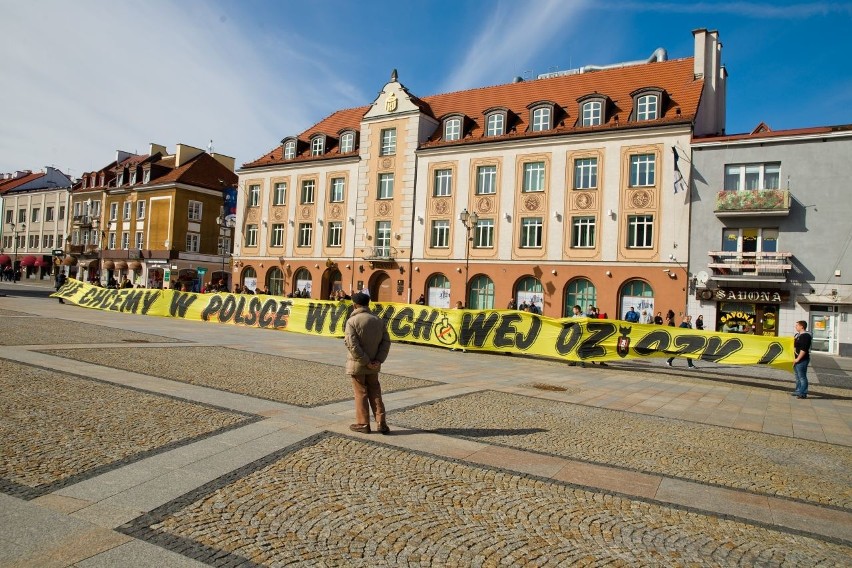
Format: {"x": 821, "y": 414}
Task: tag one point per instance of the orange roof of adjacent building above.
{"x": 675, "y": 77}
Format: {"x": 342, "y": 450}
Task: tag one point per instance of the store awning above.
{"x": 69, "y": 261}
{"x": 28, "y": 261}
{"x": 40, "y": 262}
{"x": 4, "y": 259}
{"x": 109, "y": 265}
{"x": 86, "y": 263}
{"x": 120, "y": 265}
{"x": 135, "y": 265}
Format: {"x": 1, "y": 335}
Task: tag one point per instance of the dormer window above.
{"x": 647, "y": 104}
{"x": 317, "y": 146}
{"x": 102, "y": 179}
{"x": 146, "y": 175}
{"x": 452, "y": 129}
{"x": 541, "y": 117}
{"x": 133, "y": 177}
{"x": 347, "y": 142}
{"x": 592, "y": 113}
{"x": 495, "y": 124}
{"x": 120, "y": 179}
{"x": 94, "y": 180}
{"x": 84, "y": 183}
{"x": 290, "y": 150}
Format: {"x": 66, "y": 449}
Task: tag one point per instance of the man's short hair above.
{"x": 803, "y": 323}
{"x": 360, "y": 299}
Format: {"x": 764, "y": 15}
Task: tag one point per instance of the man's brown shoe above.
{"x": 361, "y": 428}
{"x": 384, "y": 429}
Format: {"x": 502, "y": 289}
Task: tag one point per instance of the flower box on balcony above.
{"x": 745, "y": 202}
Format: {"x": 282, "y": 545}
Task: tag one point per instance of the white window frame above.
{"x": 279, "y": 193}
{"x": 113, "y": 211}
{"x": 586, "y": 173}
{"x": 752, "y": 176}
{"x": 483, "y": 234}
{"x": 385, "y": 185}
{"x": 647, "y": 107}
{"x": 317, "y": 146}
{"x": 127, "y": 209}
{"x": 388, "y": 142}
{"x": 347, "y": 143}
{"x": 643, "y": 170}
{"x": 306, "y": 235}
{"x": 495, "y": 124}
{"x": 276, "y": 235}
{"x": 290, "y": 150}
{"x": 48, "y": 214}
{"x": 193, "y": 242}
{"x": 486, "y": 179}
{"x": 440, "y": 234}
{"x": 531, "y": 232}
{"x": 308, "y": 193}
{"x": 139, "y": 240}
{"x": 337, "y": 191}
{"x": 125, "y": 240}
{"x": 592, "y": 113}
{"x": 541, "y": 119}
{"x": 110, "y": 241}
{"x": 146, "y": 176}
{"x": 140, "y": 209}
{"x": 383, "y": 239}
{"x": 442, "y": 183}
{"x": 534, "y": 177}
{"x": 194, "y": 210}
{"x": 640, "y": 231}
{"x": 35, "y": 214}
{"x": 254, "y": 195}
{"x": 335, "y": 234}
{"x": 452, "y": 129}
{"x": 251, "y": 235}
{"x": 583, "y": 231}
{"x": 223, "y": 245}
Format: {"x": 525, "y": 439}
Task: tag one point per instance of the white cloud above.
{"x": 514, "y": 34}
{"x": 85, "y": 78}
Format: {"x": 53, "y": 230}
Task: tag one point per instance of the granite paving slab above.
{"x": 50, "y": 331}
{"x": 334, "y": 500}
{"x": 270, "y": 377}
{"x": 57, "y": 429}
{"x": 804, "y": 470}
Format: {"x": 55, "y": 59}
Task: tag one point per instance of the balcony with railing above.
{"x": 380, "y": 253}
{"x": 773, "y": 202}
{"x": 750, "y": 266}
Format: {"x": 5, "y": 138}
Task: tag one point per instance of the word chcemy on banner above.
{"x": 570, "y": 339}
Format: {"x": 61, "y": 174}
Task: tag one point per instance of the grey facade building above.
{"x": 770, "y": 233}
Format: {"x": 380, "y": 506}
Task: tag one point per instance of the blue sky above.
{"x": 82, "y": 79}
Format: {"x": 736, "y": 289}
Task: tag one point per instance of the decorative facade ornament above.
{"x": 387, "y": 163}
{"x": 640, "y": 199}
{"x": 532, "y": 203}
{"x": 484, "y": 205}
{"x": 441, "y": 206}
{"x": 306, "y": 212}
{"x": 278, "y": 213}
{"x": 391, "y": 102}
{"x": 335, "y": 211}
{"x": 383, "y": 209}
{"x": 583, "y": 201}
{"x": 252, "y": 214}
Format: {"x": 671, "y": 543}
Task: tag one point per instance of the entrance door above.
{"x": 380, "y": 289}
{"x": 766, "y": 320}
{"x": 822, "y": 326}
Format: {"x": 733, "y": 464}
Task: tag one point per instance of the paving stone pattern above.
{"x": 337, "y": 501}
{"x": 48, "y": 331}
{"x": 281, "y": 379}
{"x": 13, "y": 313}
{"x": 762, "y": 463}
{"x": 56, "y": 429}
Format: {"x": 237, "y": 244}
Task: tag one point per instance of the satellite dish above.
{"x": 702, "y": 277}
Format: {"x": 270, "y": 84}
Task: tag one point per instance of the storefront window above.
{"x": 736, "y": 317}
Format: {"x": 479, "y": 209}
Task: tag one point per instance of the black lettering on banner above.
{"x": 69, "y": 289}
{"x": 599, "y": 331}
{"x": 690, "y": 344}
{"x": 773, "y": 350}
{"x": 238, "y": 315}
{"x": 475, "y": 327}
{"x": 423, "y": 324}
{"x": 131, "y": 301}
{"x": 282, "y": 315}
{"x": 315, "y": 319}
{"x": 400, "y": 326}
{"x": 716, "y": 350}
{"x": 569, "y": 336}
{"x": 106, "y": 299}
{"x": 336, "y": 314}
{"x": 524, "y": 342}
{"x": 148, "y": 301}
{"x": 265, "y": 319}
{"x": 653, "y": 342}
{"x": 506, "y": 332}
{"x": 117, "y": 300}
{"x": 253, "y": 308}
{"x": 180, "y": 303}
{"x": 386, "y": 313}
{"x": 214, "y": 304}
{"x": 229, "y": 306}
{"x": 87, "y": 297}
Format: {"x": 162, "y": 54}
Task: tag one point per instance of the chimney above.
{"x": 184, "y": 153}
{"x": 156, "y": 148}
{"x": 707, "y": 66}
{"x": 226, "y": 161}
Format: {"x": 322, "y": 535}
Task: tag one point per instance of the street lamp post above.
{"x": 469, "y": 220}
{"x": 224, "y": 223}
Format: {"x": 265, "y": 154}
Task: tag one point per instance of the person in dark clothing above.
{"x": 685, "y": 323}
{"x": 60, "y": 282}
{"x": 802, "y": 350}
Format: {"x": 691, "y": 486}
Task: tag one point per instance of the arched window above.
{"x": 579, "y": 292}
{"x": 290, "y": 150}
{"x": 637, "y": 294}
{"x": 275, "y": 281}
{"x": 592, "y": 113}
{"x": 438, "y": 291}
{"x": 303, "y": 283}
{"x": 529, "y": 291}
{"x": 452, "y": 129}
{"x": 249, "y": 278}
{"x": 481, "y": 293}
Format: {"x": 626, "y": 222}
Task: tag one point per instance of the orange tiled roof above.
{"x": 201, "y": 171}
{"x": 10, "y": 184}
{"x": 675, "y": 77}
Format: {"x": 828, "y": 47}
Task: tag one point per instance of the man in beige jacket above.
{"x": 368, "y": 343}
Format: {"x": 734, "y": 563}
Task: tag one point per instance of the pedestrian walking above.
{"x": 368, "y": 343}
{"x": 60, "y": 282}
{"x": 802, "y": 350}
{"x": 685, "y": 323}
{"x": 699, "y": 323}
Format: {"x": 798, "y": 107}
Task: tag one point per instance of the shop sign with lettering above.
{"x": 751, "y": 295}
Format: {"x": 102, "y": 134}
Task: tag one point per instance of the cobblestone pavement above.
{"x": 47, "y": 331}
{"x": 281, "y": 379}
{"x": 762, "y": 463}
{"x": 57, "y": 429}
{"x": 336, "y": 501}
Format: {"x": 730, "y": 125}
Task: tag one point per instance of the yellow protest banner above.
{"x": 569, "y": 339}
